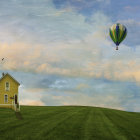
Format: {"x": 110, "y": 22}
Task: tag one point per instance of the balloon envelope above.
{"x": 117, "y": 33}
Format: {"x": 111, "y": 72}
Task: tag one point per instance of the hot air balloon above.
{"x": 117, "y": 33}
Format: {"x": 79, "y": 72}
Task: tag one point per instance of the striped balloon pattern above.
{"x": 117, "y": 33}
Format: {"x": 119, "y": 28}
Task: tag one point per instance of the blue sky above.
{"x": 61, "y": 53}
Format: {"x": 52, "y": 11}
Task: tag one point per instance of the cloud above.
{"x": 92, "y": 92}
{"x": 30, "y": 96}
{"x": 76, "y": 98}
{"x": 31, "y": 102}
{"x": 82, "y": 85}
{"x": 65, "y": 58}
{"x": 131, "y": 8}
{"x": 89, "y": 56}
{"x": 80, "y": 5}
{"x": 92, "y": 57}
{"x": 34, "y": 22}
{"x": 52, "y": 90}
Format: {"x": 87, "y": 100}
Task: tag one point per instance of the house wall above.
{"x": 13, "y": 90}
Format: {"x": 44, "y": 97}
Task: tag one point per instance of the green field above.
{"x": 69, "y": 123}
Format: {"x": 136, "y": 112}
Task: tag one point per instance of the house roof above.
{"x": 11, "y": 77}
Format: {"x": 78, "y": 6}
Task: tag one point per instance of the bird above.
{"x": 2, "y": 59}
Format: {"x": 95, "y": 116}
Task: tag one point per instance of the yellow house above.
{"x": 9, "y": 92}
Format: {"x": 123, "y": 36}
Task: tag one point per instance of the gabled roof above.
{"x": 11, "y": 77}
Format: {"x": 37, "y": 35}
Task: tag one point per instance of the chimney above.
{"x": 2, "y": 74}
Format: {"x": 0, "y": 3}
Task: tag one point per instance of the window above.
{"x": 5, "y": 98}
{"x": 7, "y": 86}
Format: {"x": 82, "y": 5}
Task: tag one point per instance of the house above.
{"x": 9, "y": 92}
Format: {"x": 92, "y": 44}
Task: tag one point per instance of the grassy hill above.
{"x": 69, "y": 123}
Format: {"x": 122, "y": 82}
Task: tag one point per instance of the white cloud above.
{"x": 53, "y": 90}
{"x": 31, "y": 102}
{"x": 58, "y": 57}
{"x": 37, "y": 23}
{"x": 93, "y": 56}
{"x": 104, "y": 1}
{"x": 75, "y": 98}
{"x": 30, "y": 96}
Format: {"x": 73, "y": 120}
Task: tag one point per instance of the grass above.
{"x": 69, "y": 123}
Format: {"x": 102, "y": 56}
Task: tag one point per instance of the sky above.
{"x": 61, "y": 53}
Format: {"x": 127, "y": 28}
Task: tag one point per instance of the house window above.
{"x": 7, "y": 86}
{"x": 5, "y": 98}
